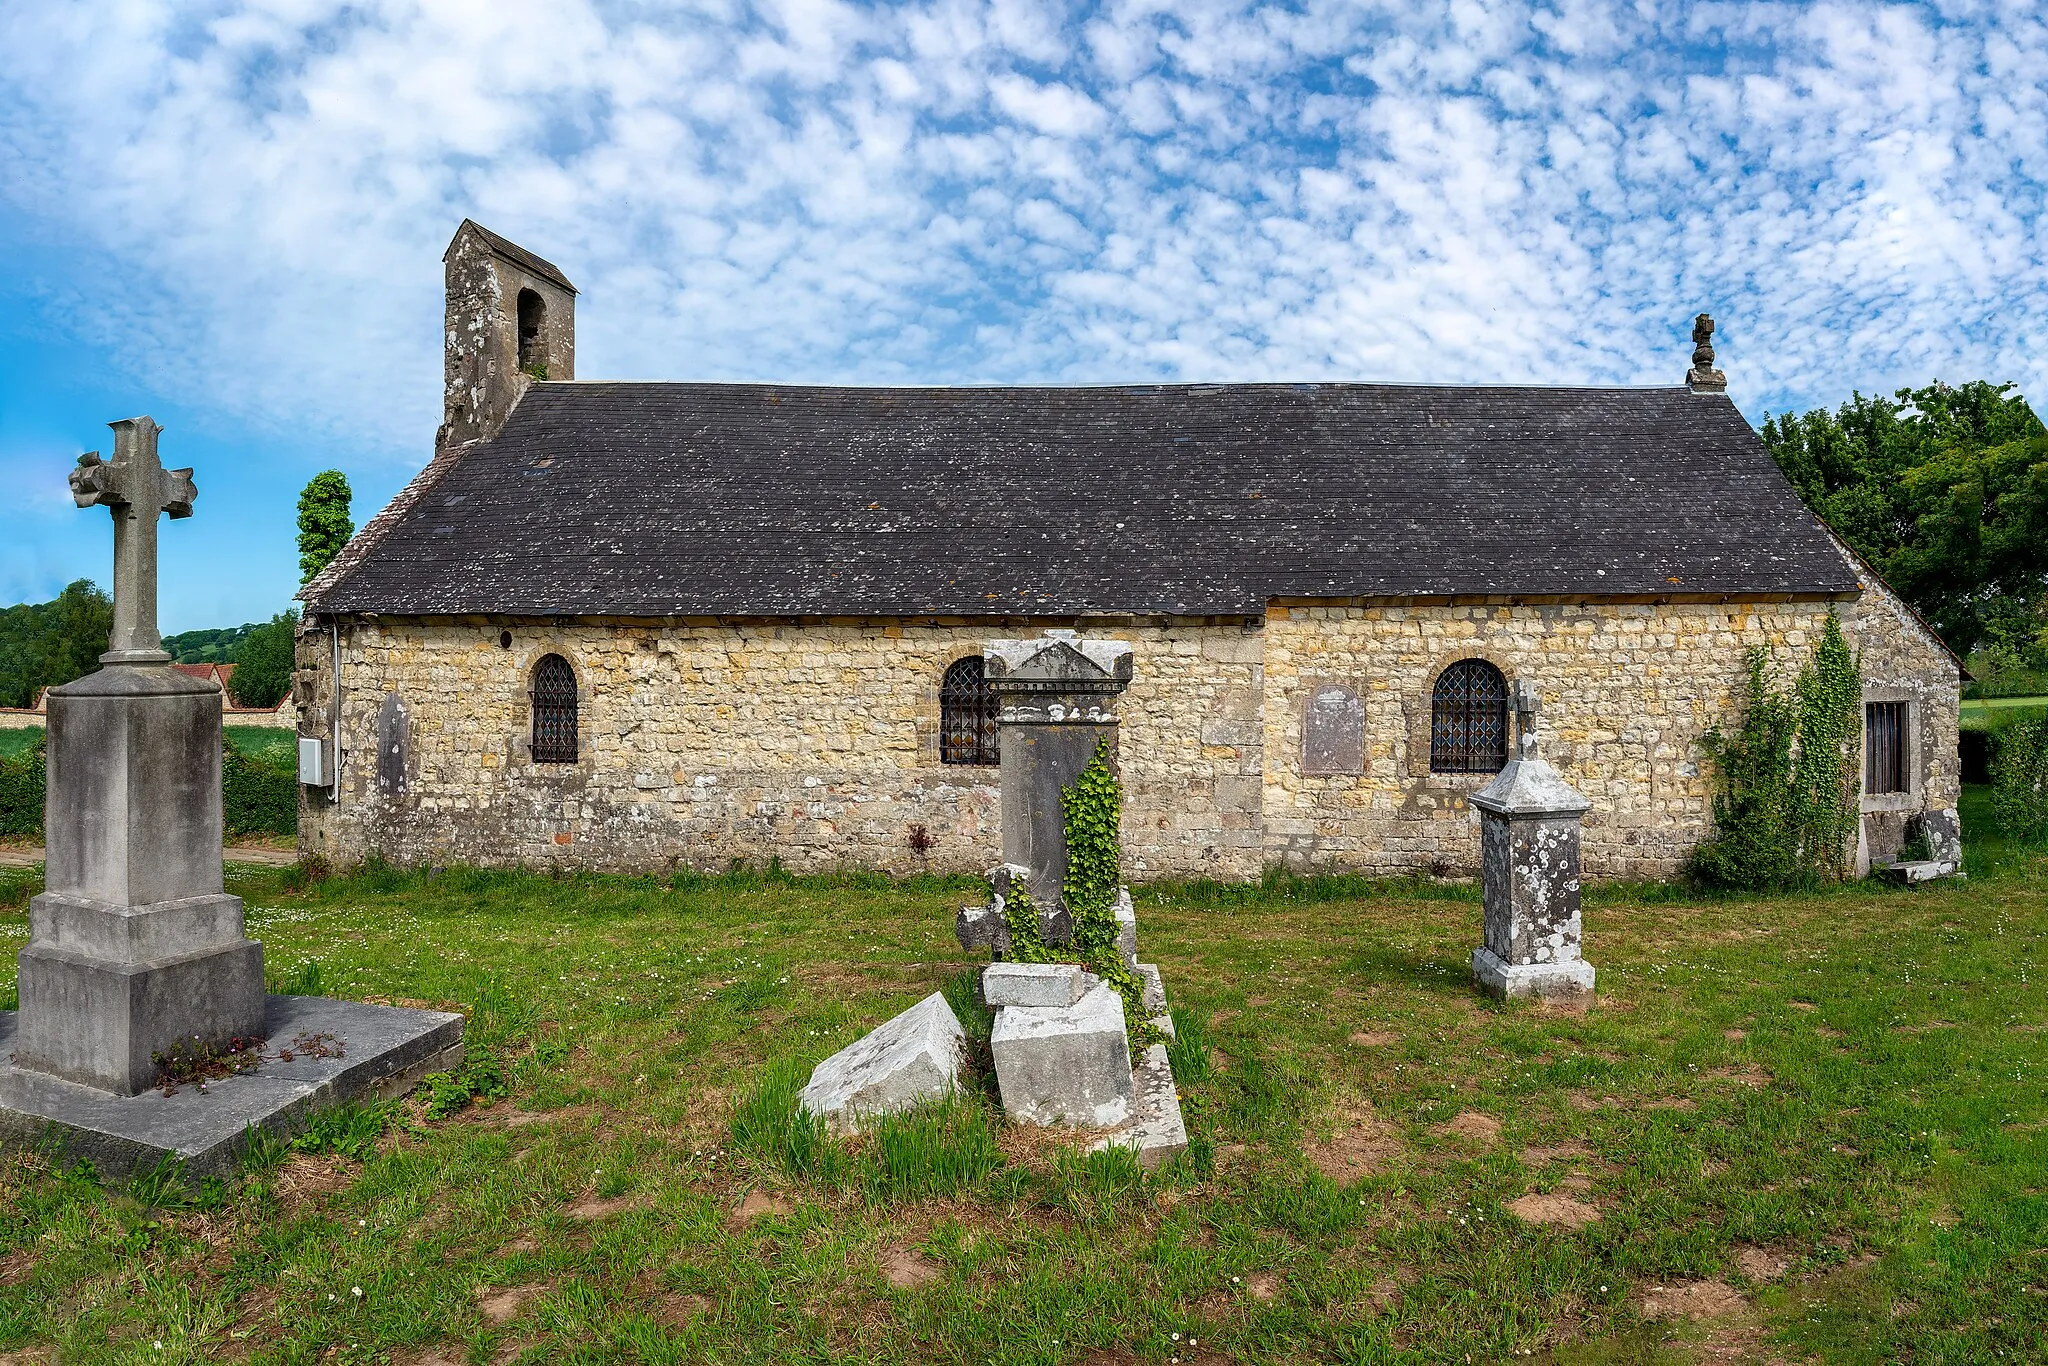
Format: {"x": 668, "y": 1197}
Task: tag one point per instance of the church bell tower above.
{"x": 511, "y": 323}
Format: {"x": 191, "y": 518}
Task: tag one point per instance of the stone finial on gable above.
{"x": 1703, "y": 378}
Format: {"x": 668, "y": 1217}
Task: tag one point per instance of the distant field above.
{"x": 260, "y": 742}
{"x": 1980, "y": 712}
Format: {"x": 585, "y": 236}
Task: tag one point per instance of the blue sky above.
{"x": 230, "y": 216}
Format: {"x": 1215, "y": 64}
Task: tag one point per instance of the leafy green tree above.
{"x": 263, "y": 664}
{"x": 1944, "y": 490}
{"x": 324, "y": 525}
{"x": 43, "y": 644}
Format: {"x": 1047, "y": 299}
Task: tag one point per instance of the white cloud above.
{"x": 257, "y": 194}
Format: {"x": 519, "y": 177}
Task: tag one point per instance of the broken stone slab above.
{"x": 1154, "y": 988}
{"x": 1549, "y": 981}
{"x": 983, "y": 927}
{"x": 916, "y": 1055}
{"x": 1065, "y": 1065}
{"x": 1034, "y": 984}
{"x": 1917, "y": 871}
{"x": 1126, "y": 928}
{"x": 1156, "y": 1128}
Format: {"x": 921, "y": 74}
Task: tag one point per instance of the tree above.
{"x": 43, "y": 644}
{"x": 1944, "y": 490}
{"x": 263, "y": 664}
{"x": 324, "y": 525}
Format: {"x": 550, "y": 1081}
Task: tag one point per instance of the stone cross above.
{"x": 1703, "y": 378}
{"x": 134, "y": 487}
{"x": 1527, "y": 704}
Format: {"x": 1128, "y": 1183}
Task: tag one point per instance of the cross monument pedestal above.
{"x": 1529, "y": 871}
{"x": 136, "y": 951}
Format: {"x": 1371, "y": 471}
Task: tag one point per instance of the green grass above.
{"x": 264, "y": 742}
{"x": 1850, "y": 1082}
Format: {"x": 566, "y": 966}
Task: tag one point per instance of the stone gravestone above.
{"x": 1529, "y": 870}
{"x": 136, "y": 953}
{"x": 1061, "y": 1042}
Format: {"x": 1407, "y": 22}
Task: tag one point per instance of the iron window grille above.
{"x": 554, "y": 712}
{"x": 1468, "y": 719}
{"x": 1884, "y": 748}
{"x": 967, "y": 715}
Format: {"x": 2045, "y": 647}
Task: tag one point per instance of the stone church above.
{"x": 655, "y": 625}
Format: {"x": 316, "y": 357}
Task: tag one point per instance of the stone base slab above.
{"x": 1155, "y": 1128}
{"x": 1545, "y": 980}
{"x": 1067, "y": 1066}
{"x": 386, "y": 1050}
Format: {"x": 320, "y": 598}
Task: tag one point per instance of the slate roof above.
{"x": 654, "y": 500}
{"x": 513, "y": 252}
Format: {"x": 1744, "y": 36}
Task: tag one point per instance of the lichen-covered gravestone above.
{"x": 1529, "y": 871}
{"x": 137, "y": 970}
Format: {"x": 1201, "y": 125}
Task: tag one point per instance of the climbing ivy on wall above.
{"x": 1785, "y": 808}
{"x": 1091, "y": 809}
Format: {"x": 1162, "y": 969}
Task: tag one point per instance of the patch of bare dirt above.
{"x": 1576, "y": 1184}
{"x": 1358, "y": 1146}
{"x": 1574, "y": 1003}
{"x": 1470, "y": 1124}
{"x": 503, "y": 1305}
{"x": 29, "y": 1356}
{"x": 1585, "y": 1100}
{"x": 1374, "y": 1038}
{"x": 1672, "y": 1103}
{"x": 1734, "y": 1035}
{"x": 1750, "y": 1074}
{"x": 1563, "y": 1210}
{"x": 1761, "y": 1263}
{"x": 1927, "y": 1028}
{"x": 1692, "y": 1300}
{"x": 906, "y": 1268}
{"x": 1802, "y": 1005}
{"x": 590, "y": 1208}
{"x": 520, "y": 1246}
{"x": 429, "y": 1356}
{"x": 1560, "y": 1152}
{"x": 306, "y": 1178}
{"x": 677, "y": 1310}
{"x": 756, "y": 1204}
{"x": 17, "y": 1266}
{"x": 1263, "y": 1286}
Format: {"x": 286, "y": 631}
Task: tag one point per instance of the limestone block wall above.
{"x": 703, "y": 743}
{"x": 1627, "y": 690}
{"x": 1904, "y": 661}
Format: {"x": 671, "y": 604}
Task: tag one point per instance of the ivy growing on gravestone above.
{"x": 1785, "y": 807}
{"x": 1091, "y": 809}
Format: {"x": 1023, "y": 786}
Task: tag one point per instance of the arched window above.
{"x": 532, "y": 314}
{"x": 967, "y": 715}
{"x": 1468, "y": 719}
{"x": 554, "y": 712}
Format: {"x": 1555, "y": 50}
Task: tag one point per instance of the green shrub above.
{"x": 1782, "y": 822}
{"x": 257, "y": 798}
{"x": 2019, "y": 777}
{"x": 481, "y": 1077}
{"x": 23, "y": 780}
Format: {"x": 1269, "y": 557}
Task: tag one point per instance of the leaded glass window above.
{"x": 967, "y": 715}
{"x": 1468, "y": 725}
{"x": 554, "y": 712}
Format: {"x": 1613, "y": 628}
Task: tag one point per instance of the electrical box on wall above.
{"x": 315, "y": 770}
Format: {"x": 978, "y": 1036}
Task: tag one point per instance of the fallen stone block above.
{"x": 916, "y": 1055}
{"x": 1065, "y": 1065}
{"x": 1033, "y": 984}
{"x": 1917, "y": 870}
{"x": 1156, "y": 1128}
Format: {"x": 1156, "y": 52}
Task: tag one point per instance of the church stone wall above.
{"x": 1627, "y": 690}
{"x": 1304, "y": 744}
{"x": 701, "y": 744}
